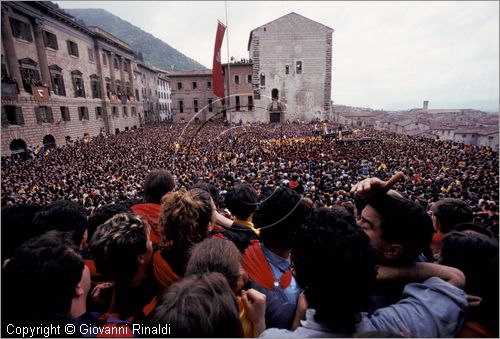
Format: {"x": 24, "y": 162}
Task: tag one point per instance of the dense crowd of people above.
{"x": 251, "y": 231}
{"x": 112, "y": 168}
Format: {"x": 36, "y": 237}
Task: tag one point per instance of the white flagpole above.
{"x": 228, "y": 75}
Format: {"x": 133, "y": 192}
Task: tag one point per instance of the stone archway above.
{"x": 49, "y": 142}
{"x": 18, "y": 146}
{"x": 276, "y": 110}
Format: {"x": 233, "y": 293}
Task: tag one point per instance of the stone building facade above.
{"x": 147, "y": 80}
{"x": 61, "y": 81}
{"x": 241, "y": 103}
{"x": 164, "y": 97}
{"x": 292, "y": 69}
{"x": 193, "y": 98}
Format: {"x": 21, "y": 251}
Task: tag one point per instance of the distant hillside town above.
{"x": 469, "y": 126}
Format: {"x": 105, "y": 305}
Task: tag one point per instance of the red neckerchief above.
{"x": 150, "y": 212}
{"x": 258, "y": 269}
{"x": 163, "y": 273}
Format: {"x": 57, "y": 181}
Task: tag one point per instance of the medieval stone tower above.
{"x": 292, "y": 70}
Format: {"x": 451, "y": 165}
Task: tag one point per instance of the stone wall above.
{"x": 279, "y": 46}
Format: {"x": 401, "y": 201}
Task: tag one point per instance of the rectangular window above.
{"x": 83, "y": 113}
{"x": 298, "y": 68}
{"x": 12, "y": 115}
{"x": 133, "y": 111}
{"x": 57, "y": 83}
{"x": 209, "y": 85}
{"x": 262, "y": 79}
{"x": 237, "y": 103}
{"x": 137, "y": 95}
{"x": 237, "y": 79}
{"x": 179, "y": 85}
{"x": 91, "y": 54}
{"x": 250, "y": 103}
{"x": 195, "y": 105}
{"x": 104, "y": 60}
{"x": 125, "y": 113}
{"x": 181, "y": 106}
{"x": 43, "y": 114}
{"x": 195, "y": 85}
{"x": 78, "y": 86}
{"x": 114, "y": 112}
{"x": 65, "y": 114}
{"x": 98, "y": 113}
{"x": 29, "y": 75}
{"x": 249, "y": 78}
{"x": 50, "y": 40}
{"x": 210, "y": 107}
{"x": 94, "y": 86}
{"x": 287, "y": 69}
{"x": 117, "y": 63}
{"x": 20, "y": 29}
{"x": 72, "y": 48}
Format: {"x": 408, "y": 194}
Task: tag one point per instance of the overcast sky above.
{"x": 386, "y": 54}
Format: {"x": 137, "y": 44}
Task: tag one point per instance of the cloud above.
{"x": 390, "y": 54}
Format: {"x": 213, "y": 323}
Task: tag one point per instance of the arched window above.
{"x": 274, "y": 94}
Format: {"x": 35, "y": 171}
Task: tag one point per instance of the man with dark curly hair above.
{"x": 330, "y": 240}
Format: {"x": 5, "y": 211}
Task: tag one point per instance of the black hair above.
{"x": 63, "y": 216}
{"x": 280, "y": 213}
{"x": 157, "y": 183}
{"x": 102, "y": 214}
{"x": 241, "y": 200}
{"x": 404, "y": 222}
{"x": 476, "y": 255}
{"x": 39, "y": 282}
{"x": 332, "y": 236}
{"x": 451, "y": 211}
{"x": 116, "y": 244}
{"x": 17, "y": 227}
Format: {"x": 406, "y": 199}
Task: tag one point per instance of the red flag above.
{"x": 218, "y": 82}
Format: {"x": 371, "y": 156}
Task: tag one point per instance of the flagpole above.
{"x": 228, "y": 76}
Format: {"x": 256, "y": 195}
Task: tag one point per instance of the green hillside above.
{"x": 154, "y": 51}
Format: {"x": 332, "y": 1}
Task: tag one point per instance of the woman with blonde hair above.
{"x": 185, "y": 219}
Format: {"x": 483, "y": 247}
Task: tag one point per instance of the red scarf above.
{"x": 163, "y": 273}
{"x": 258, "y": 269}
{"x": 150, "y": 212}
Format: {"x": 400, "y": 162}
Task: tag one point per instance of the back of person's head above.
{"x": 281, "y": 211}
{"x": 102, "y": 214}
{"x": 451, "y": 211}
{"x": 63, "y": 216}
{"x": 216, "y": 255}
{"x": 476, "y": 255}
{"x": 185, "y": 217}
{"x": 241, "y": 200}
{"x": 404, "y": 222}
{"x": 39, "y": 282}
{"x": 157, "y": 183}
{"x": 17, "y": 227}
{"x": 214, "y": 192}
{"x": 478, "y": 227}
{"x": 116, "y": 245}
{"x": 471, "y": 252}
{"x": 199, "y": 306}
{"x": 332, "y": 236}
